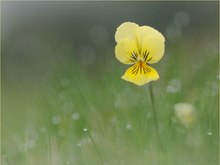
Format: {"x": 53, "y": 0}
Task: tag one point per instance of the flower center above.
{"x": 144, "y": 56}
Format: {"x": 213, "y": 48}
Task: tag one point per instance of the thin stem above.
{"x": 155, "y": 116}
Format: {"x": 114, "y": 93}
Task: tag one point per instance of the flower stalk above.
{"x": 155, "y": 116}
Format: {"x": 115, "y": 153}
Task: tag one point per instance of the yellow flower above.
{"x": 140, "y": 46}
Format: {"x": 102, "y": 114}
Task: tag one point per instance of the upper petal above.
{"x": 126, "y": 30}
{"x": 126, "y": 51}
{"x": 152, "y": 43}
{"x": 140, "y": 74}
{"x": 146, "y": 31}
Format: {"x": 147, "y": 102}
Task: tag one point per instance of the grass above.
{"x": 87, "y": 115}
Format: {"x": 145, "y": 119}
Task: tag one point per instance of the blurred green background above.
{"x": 62, "y": 98}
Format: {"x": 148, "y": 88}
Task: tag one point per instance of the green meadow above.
{"x": 63, "y": 103}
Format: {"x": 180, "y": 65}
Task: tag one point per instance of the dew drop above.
{"x": 75, "y": 116}
{"x": 174, "y": 86}
{"x": 128, "y": 126}
{"x": 79, "y": 144}
{"x": 56, "y": 120}
{"x": 209, "y": 133}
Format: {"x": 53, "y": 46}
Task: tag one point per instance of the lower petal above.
{"x": 140, "y": 74}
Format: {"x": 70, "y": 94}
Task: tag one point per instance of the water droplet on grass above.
{"x": 79, "y": 144}
{"x": 209, "y": 133}
{"x": 174, "y": 86}
{"x": 56, "y": 120}
{"x": 75, "y": 116}
{"x": 128, "y": 126}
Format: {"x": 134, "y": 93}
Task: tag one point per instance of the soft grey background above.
{"x": 35, "y": 34}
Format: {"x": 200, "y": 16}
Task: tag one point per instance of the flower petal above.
{"x": 140, "y": 74}
{"x": 126, "y": 30}
{"x": 126, "y": 51}
{"x": 152, "y": 43}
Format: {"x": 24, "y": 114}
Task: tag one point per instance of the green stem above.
{"x": 155, "y": 117}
